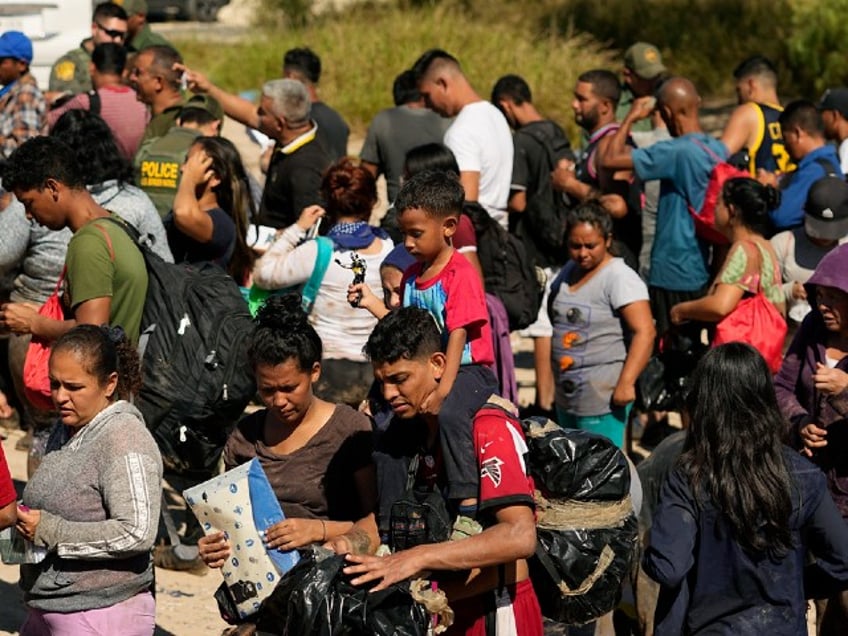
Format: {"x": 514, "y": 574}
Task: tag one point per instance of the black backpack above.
{"x": 508, "y": 272}
{"x": 543, "y": 220}
{"x": 196, "y": 378}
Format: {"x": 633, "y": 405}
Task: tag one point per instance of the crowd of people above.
{"x": 380, "y": 341}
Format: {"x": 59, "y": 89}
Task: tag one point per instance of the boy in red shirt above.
{"x": 445, "y": 284}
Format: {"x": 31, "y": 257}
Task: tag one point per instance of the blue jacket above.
{"x": 710, "y": 585}
{"x": 795, "y": 185}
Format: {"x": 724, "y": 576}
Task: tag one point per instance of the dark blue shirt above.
{"x": 710, "y": 585}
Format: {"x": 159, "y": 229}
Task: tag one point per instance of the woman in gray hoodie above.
{"x": 92, "y": 507}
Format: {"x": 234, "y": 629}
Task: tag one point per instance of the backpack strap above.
{"x": 828, "y": 167}
{"x": 322, "y": 262}
{"x": 412, "y": 472}
{"x": 708, "y": 150}
{"x": 94, "y": 103}
{"x": 107, "y": 238}
{"x": 540, "y": 138}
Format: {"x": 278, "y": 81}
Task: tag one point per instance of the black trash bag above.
{"x": 315, "y": 598}
{"x": 574, "y": 464}
{"x": 574, "y": 558}
{"x": 587, "y": 532}
{"x": 663, "y": 384}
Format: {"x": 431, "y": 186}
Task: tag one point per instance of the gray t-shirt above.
{"x": 394, "y": 132}
{"x": 588, "y": 341}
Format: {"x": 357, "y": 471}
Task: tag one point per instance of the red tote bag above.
{"x": 757, "y": 322}
{"x": 35, "y": 376}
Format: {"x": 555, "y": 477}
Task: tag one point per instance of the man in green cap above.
{"x": 643, "y": 72}
{"x": 70, "y": 73}
{"x": 157, "y": 163}
{"x": 139, "y": 34}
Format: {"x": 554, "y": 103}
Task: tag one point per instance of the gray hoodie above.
{"x": 99, "y": 495}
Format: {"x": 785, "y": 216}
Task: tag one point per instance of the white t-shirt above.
{"x": 843, "y": 156}
{"x": 482, "y": 142}
{"x": 343, "y": 329}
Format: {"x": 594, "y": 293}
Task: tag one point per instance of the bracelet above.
{"x": 323, "y": 531}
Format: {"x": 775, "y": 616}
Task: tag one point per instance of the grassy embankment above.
{"x": 363, "y": 49}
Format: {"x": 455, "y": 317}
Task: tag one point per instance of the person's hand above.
{"x": 197, "y": 169}
{"x": 360, "y": 295}
{"x": 214, "y": 549}
{"x": 5, "y": 409}
{"x": 563, "y": 174}
{"x": 767, "y": 178}
{"x": 196, "y": 82}
{"x": 641, "y": 108}
{"x": 387, "y": 570}
{"x": 433, "y": 403}
{"x": 18, "y": 317}
{"x": 798, "y": 291}
{"x": 339, "y": 545}
{"x": 813, "y": 437}
{"x": 676, "y": 314}
{"x": 294, "y": 533}
{"x": 309, "y": 217}
{"x": 28, "y": 521}
{"x": 623, "y": 395}
{"x": 830, "y": 381}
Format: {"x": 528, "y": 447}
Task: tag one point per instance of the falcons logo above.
{"x": 491, "y": 468}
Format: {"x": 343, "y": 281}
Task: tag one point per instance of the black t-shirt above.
{"x": 218, "y": 250}
{"x": 332, "y": 128}
{"x": 292, "y": 183}
{"x": 530, "y": 165}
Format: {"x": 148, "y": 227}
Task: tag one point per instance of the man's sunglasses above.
{"x": 115, "y": 34}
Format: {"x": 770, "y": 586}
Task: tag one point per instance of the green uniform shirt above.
{"x": 146, "y": 37}
{"x": 96, "y": 269}
{"x": 624, "y": 104}
{"x": 157, "y": 166}
{"x": 160, "y": 124}
{"x": 70, "y": 72}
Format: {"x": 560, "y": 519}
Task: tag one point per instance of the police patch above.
{"x": 64, "y": 71}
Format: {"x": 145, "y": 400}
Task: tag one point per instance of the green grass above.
{"x": 362, "y": 50}
{"x": 546, "y": 41}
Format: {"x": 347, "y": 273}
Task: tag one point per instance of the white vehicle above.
{"x": 54, "y": 27}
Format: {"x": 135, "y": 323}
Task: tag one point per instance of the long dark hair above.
{"x": 233, "y": 193}
{"x": 93, "y": 143}
{"x": 733, "y": 454}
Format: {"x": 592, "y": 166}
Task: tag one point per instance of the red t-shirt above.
{"x": 455, "y": 299}
{"x": 465, "y": 238}
{"x": 500, "y": 447}
{"x": 7, "y": 488}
